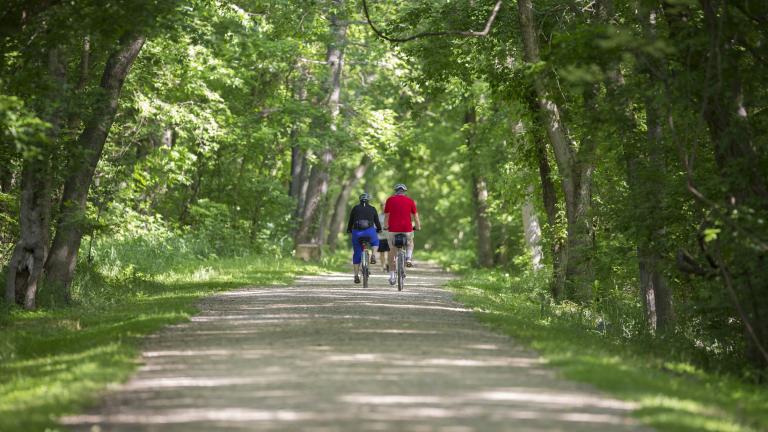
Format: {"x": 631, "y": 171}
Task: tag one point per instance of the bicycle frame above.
{"x": 400, "y": 266}
{"x": 364, "y": 263}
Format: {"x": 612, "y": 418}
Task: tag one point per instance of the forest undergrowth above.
{"x": 56, "y": 359}
{"x": 665, "y": 376}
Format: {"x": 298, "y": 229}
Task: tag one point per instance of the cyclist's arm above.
{"x": 351, "y": 219}
{"x": 376, "y": 220}
{"x": 386, "y": 221}
{"x": 418, "y": 221}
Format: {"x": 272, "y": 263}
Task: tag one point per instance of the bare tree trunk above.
{"x": 579, "y": 272}
{"x": 532, "y": 230}
{"x": 654, "y": 290}
{"x": 325, "y": 217}
{"x": 645, "y": 174}
{"x": 61, "y": 262}
{"x": 339, "y": 209}
{"x": 549, "y": 200}
{"x": 297, "y": 165}
{"x": 298, "y": 156}
{"x": 484, "y": 242}
{"x": 479, "y": 193}
{"x": 317, "y": 187}
{"x": 574, "y": 168}
{"x": 318, "y": 180}
{"x": 303, "y": 185}
{"x": 26, "y": 265}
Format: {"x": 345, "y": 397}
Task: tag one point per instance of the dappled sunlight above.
{"x": 411, "y": 306}
{"x": 191, "y": 381}
{"x": 396, "y": 331}
{"x": 484, "y": 347}
{"x": 190, "y": 416}
{"x": 546, "y": 396}
{"x": 325, "y": 354}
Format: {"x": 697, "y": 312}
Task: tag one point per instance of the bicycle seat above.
{"x": 364, "y": 240}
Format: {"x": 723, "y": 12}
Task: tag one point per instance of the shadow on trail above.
{"x": 326, "y": 355}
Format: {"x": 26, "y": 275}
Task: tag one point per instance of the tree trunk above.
{"x": 479, "y": 193}
{"x": 532, "y": 230}
{"x": 549, "y": 200}
{"x": 484, "y": 242}
{"x": 318, "y": 180}
{"x": 69, "y": 229}
{"x": 579, "y": 272}
{"x": 317, "y": 187}
{"x": 297, "y": 165}
{"x": 645, "y": 174}
{"x": 338, "y": 221}
{"x": 325, "y": 218}
{"x": 25, "y": 267}
{"x": 654, "y": 290}
{"x": 298, "y": 155}
{"x": 303, "y": 185}
{"x": 575, "y": 170}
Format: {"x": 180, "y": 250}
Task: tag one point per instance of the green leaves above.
{"x": 711, "y": 234}
{"x": 20, "y": 129}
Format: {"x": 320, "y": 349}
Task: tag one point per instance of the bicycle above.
{"x": 401, "y": 244}
{"x": 365, "y": 241}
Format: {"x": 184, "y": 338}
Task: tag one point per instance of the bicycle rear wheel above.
{"x": 364, "y": 268}
{"x": 400, "y": 270}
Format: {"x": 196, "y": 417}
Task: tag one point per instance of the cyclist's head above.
{"x": 364, "y": 198}
{"x": 400, "y": 187}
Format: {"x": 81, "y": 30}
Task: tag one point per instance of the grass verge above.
{"x": 53, "y": 362}
{"x": 671, "y": 395}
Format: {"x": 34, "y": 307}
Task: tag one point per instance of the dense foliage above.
{"x": 616, "y": 148}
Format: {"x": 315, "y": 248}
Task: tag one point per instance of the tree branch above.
{"x": 468, "y": 33}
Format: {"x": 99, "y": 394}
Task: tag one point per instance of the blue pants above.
{"x": 357, "y": 256}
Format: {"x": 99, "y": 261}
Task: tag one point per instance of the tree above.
{"x": 60, "y": 265}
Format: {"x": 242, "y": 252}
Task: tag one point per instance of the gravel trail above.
{"x": 326, "y": 355}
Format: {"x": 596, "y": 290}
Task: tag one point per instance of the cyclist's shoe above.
{"x": 357, "y": 279}
{"x": 409, "y": 263}
{"x": 392, "y": 280}
{"x": 373, "y": 259}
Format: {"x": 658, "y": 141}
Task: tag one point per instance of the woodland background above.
{"x": 613, "y": 151}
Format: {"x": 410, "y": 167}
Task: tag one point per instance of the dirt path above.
{"x": 325, "y": 355}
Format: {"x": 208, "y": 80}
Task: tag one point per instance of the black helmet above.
{"x": 400, "y": 186}
{"x": 364, "y": 197}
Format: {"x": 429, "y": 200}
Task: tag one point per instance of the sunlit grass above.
{"x": 671, "y": 395}
{"x": 53, "y": 361}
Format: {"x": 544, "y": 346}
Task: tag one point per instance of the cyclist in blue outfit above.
{"x": 363, "y": 222}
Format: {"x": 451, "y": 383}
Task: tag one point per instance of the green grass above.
{"x": 54, "y": 361}
{"x": 672, "y": 395}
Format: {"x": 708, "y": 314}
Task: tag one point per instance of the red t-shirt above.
{"x": 400, "y": 209}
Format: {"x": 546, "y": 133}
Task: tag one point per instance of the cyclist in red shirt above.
{"x": 398, "y": 211}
